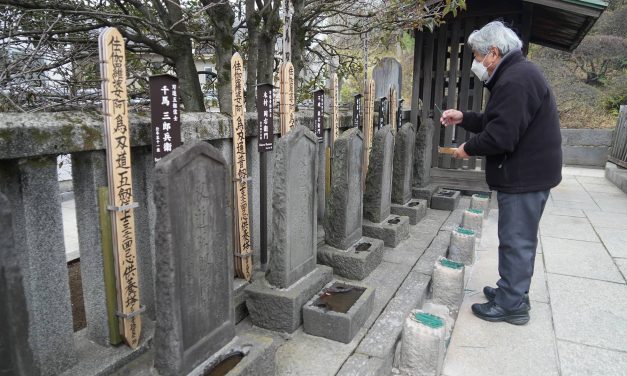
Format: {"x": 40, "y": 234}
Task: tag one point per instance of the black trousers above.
{"x": 519, "y": 219}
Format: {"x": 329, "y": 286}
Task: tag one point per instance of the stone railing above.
{"x": 29, "y": 146}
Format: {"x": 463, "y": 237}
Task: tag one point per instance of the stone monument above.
{"x": 275, "y": 301}
{"x": 402, "y": 202}
{"x": 351, "y": 255}
{"x": 389, "y": 72}
{"x": 195, "y": 325}
{"x": 378, "y": 223}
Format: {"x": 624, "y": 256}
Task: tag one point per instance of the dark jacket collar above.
{"x": 508, "y": 60}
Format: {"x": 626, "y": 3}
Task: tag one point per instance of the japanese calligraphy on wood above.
{"x": 357, "y": 111}
{"x": 243, "y": 248}
{"x": 392, "y": 110}
{"x": 318, "y": 96}
{"x": 164, "y": 114}
{"x": 118, "y": 143}
{"x": 368, "y": 123}
{"x": 288, "y": 103}
{"x": 335, "y": 116}
{"x": 265, "y": 112}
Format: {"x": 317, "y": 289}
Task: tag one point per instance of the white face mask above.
{"x": 479, "y": 70}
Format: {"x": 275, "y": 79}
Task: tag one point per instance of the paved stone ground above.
{"x": 578, "y": 294}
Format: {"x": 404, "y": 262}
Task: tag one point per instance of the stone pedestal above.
{"x": 357, "y": 261}
{"x": 392, "y": 230}
{"x": 338, "y": 326}
{"x": 445, "y": 199}
{"x": 415, "y": 210}
{"x": 280, "y": 309}
{"x": 275, "y": 300}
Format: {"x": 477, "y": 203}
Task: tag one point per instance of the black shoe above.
{"x": 491, "y": 311}
{"x": 490, "y": 294}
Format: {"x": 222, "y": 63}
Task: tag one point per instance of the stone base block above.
{"x": 414, "y": 209}
{"x": 392, "y": 231}
{"x": 258, "y": 359}
{"x": 353, "y": 263}
{"x": 239, "y": 299}
{"x": 281, "y": 309}
{"x": 445, "y": 199}
{"x": 338, "y": 326}
{"x": 424, "y": 193}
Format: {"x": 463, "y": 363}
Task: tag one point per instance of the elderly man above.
{"x": 519, "y": 135}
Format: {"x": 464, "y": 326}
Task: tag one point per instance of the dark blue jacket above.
{"x": 519, "y": 132}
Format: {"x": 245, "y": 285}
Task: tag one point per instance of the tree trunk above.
{"x": 222, "y": 18}
{"x": 252, "y": 21}
{"x": 183, "y": 59}
{"x": 189, "y": 85}
{"x": 298, "y": 40}
{"x": 267, "y": 42}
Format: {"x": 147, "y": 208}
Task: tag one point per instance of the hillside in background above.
{"x": 590, "y": 83}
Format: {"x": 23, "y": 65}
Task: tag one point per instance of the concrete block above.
{"x": 239, "y": 299}
{"x": 473, "y": 220}
{"x": 482, "y": 202}
{"x": 258, "y": 357}
{"x": 352, "y": 263}
{"x": 392, "y": 230}
{"x": 462, "y": 246}
{"x": 415, "y": 210}
{"x": 424, "y": 192}
{"x": 585, "y": 155}
{"x": 445, "y": 199}
{"x": 448, "y": 284}
{"x": 423, "y": 345}
{"x": 281, "y": 309}
{"x": 338, "y": 326}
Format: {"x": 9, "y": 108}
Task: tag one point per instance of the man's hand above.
{"x": 451, "y": 117}
{"x": 460, "y": 152}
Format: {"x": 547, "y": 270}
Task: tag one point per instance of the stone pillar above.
{"x": 378, "y": 192}
{"x": 89, "y": 171}
{"x": 32, "y": 188}
{"x": 403, "y": 160}
{"x": 15, "y": 354}
{"x": 423, "y": 154}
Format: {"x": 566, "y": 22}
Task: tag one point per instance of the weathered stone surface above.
{"x": 616, "y": 175}
{"x": 423, "y": 154}
{"x": 403, "y": 164}
{"x": 363, "y": 365}
{"x": 32, "y": 189}
{"x": 378, "y": 193}
{"x": 445, "y": 199}
{"x": 415, "y": 210}
{"x": 462, "y": 246}
{"x": 388, "y": 72}
{"x": 338, "y": 326}
{"x": 587, "y": 137}
{"x": 473, "y": 219}
{"x": 294, "y": 205}
{"x": 194, "y": 257}
{"x": 350, "y": 263}
{"x": 281, "y": 309}
{"x": 343, "y": 217}
{"x": 392, "y": 230}
{"x": 259, "y": 359}
{"x": 15, "y": 354}
{"x": 481, "y": 201}
{"x": 585, "y": 155}
{"x": 425, "y": 192}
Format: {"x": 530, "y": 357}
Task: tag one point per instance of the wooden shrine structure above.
{"x": 442, "y": 76}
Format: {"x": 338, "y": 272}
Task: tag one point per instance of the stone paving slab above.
{"x": 615, "y": 240}
{"x": 622, "y": 265}
{"x": 612, "y": 204}
{"x": 606, "y": 187}
{"x": 607, "y": 220}
{"x": 578, "y": 360}
{"x": 588, "y": 205}
{"x": 579, "y": 259}
{"x": 567, "y": 212}
{"x": 589, "y": 312}
{"x": 482, "y": 348}
{"x": 567, "y": 228}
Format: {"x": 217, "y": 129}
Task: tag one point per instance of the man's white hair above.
{"x": 494, "y": 34}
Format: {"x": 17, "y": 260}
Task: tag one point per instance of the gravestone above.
{"x": 16, "y": 357}
{"x": 349, "y": 253}
{"x": 402, "y": 202}
{"x": 276, "y": 299}
{"x": 389, "y": 72}
{"x": 377, "y": 222}
{"x": 194, "y": 257}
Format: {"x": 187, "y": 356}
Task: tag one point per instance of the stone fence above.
{"x": 586, "y": 147}
{"x": 29, "y": 146}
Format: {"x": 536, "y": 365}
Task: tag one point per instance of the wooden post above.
{"x": 335, "y": 117}
{"x": 118, "y": 144}
{"x": 393, "y": 109}
{"x": 243, "y": 248}
{"x": 368, "y": 120}
{"x": 287, "y": 103}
